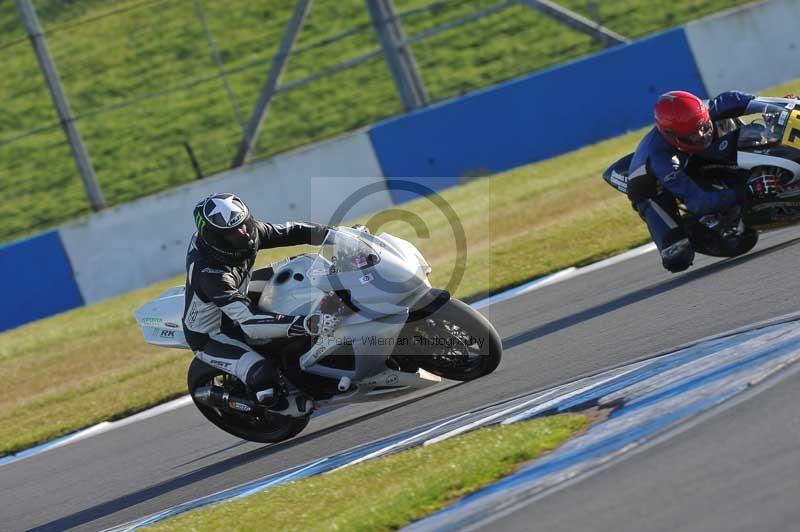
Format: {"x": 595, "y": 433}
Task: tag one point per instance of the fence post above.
{"x": 576, "y": 22}
{"x": 253, "y": 127}
{"x": 398, "y": 55}
{"x": 61, "y": 104}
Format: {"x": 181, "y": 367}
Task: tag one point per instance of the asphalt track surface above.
{"x": 552, "y": 335}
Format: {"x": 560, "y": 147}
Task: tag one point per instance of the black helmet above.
{"x": 225, "y": 229}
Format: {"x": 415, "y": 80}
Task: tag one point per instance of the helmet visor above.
{"x": 238, "y": 237}
{"x": 701, "y": 138}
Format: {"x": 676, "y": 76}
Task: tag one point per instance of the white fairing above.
{"x": 384, "y": 275}
{"x": 751, "y": 160}
{"x": 160, "y": 319}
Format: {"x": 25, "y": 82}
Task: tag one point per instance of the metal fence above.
{"x": 165, "y": 91}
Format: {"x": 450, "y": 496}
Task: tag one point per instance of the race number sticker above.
{"x": 791, "y": 137}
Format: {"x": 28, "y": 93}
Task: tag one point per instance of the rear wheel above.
{"x": 455, "y": 342}
{"x": 263, "y": 426}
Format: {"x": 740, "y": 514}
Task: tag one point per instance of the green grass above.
{"x": 387, "y": 493}
{"x": 160, "y": 44}
{"x": 91, "y": 364}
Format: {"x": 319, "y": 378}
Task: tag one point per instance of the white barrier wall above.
{"x": 138, "y": 243}
{"x": 749, "y": 48}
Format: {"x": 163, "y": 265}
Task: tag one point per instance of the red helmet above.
{"x": 682, "y": 119}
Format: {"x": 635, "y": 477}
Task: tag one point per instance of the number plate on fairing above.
{"x": 791, "y": 135}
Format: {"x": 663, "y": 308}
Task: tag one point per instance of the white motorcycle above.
{"x": 396, "y": 335}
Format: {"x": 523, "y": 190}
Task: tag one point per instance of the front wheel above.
{"x": 455, "y": 342}
{"x": 263, "y": 426}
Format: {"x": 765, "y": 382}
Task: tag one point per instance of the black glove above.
{"x": 763, "y": 186}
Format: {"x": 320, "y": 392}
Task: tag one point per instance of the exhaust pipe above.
{"x": 215, "y": 396}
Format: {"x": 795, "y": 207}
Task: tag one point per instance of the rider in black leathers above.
{"x": 219, "y": 320}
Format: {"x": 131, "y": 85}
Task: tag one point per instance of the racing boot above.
{"x": 677, "y": 253}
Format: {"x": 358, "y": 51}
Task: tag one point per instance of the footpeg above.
{"x": 296, "y": 406}
{"x": 344, "y": 384}
{"x": 265, "y": 395}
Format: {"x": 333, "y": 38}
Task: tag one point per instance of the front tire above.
{"x": 264, "y": 428}
{"x": 462, "y": 345}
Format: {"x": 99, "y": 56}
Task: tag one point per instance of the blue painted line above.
{"x": 685, "y": 385}
{"x": 656, "y": 367}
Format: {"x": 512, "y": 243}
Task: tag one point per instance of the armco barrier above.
{"x": 537, "y": 116}
{"x": 38, "y": 280}
{"x": 748, "y": 48}
{"x": 145, "y": 241}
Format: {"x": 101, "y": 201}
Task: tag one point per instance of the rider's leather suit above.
{"x": 220, "y": 320}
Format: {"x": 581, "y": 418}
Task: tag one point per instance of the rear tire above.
{"x": 464, "y": 345}
{"x": 270, "y": 428}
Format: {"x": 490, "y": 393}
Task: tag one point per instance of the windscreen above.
{"x": 764, "y": 123}
{"x": 343, "y": 252}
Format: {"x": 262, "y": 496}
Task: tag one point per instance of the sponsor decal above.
{"x": 231, "y": 213}
{"x": 620, "y": 181}
{"x": 783, "y": 117}
{"x": 212, "y": 270}
{"x": 170, "y": 324}
{"x": 219, "y": 363}
{"x": 791, "y": 137}
{"x": 318, "y": 271}
{"x": 152, "y": 322}
{"x": 167, "y": 334}
{"x": 391, "y": 380}
{"x": 723, "y": 145}
{"x": 616, "y": 176}
{"x": 198, "y": 220}
{"x": 361, "y": 262}
{"x": 239, "y": 406}
{"x": 367, "y": 278}
{"x": 791, "y": 105}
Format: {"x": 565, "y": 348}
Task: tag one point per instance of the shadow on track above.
{"x": 639, "y": 295}
{"x": 126, "y": 501}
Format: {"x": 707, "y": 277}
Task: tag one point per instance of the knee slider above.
{"x": 678, "y": 256}
{"x": 747, "y": 241}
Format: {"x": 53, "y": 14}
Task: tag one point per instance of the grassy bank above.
{"x": 110, "y": 53}
{"x": 387, "y": 493}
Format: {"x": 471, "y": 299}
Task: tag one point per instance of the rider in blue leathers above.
{"x": 657, "y": 177}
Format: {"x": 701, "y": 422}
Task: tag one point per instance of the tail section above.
{"x": 616, "y": 175}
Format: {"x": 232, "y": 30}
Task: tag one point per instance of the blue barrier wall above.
{"x": 537, "y": 116}
{"x": 37, "y": 280}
